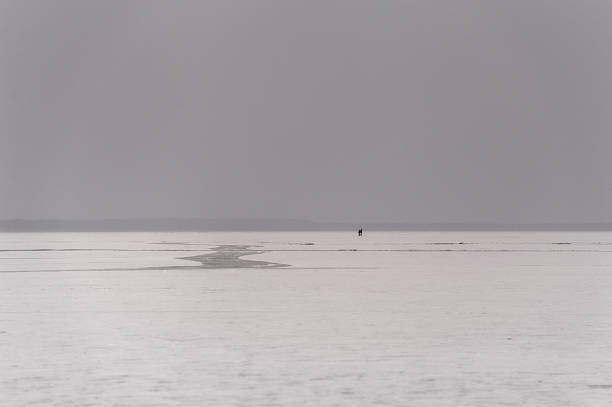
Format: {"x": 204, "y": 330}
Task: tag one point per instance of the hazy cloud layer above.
{"x": 407, "y": 111}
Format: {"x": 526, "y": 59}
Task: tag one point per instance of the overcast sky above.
{"x": 378, "y": 111}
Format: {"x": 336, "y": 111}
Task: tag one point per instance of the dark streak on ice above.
{"x": 222, "y": 257}
{"x": 447, "y": 243}
{"x": 229, "y": 256}
{"x": 99, "y": 250}
{"x": 600, "y": 386}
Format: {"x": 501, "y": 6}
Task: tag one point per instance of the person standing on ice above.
{"x": 360, "y": 232}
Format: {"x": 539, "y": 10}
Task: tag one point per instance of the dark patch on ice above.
{"x": 229, "y": 256}
{"x": 447, "y": 243}
{"x": 600, "y": 386}
{"x": 561, "y": 243}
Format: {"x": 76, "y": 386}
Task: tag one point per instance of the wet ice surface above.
{"x": 419, "y": 319}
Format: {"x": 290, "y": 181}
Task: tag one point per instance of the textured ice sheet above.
{"x": 506, "y": 319}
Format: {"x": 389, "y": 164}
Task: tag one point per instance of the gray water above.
{"x": 325, "y": 319}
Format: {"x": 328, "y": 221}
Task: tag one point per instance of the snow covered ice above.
{"x": 306, "y": 318}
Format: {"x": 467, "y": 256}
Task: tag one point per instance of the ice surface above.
{"x": 410, "y": 319}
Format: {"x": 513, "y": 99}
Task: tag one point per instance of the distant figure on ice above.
{"x": 360, "y": 232}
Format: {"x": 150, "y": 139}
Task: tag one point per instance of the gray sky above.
{"x": 381, "y": 111}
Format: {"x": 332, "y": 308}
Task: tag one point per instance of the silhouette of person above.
{"x": 360, "y": 232}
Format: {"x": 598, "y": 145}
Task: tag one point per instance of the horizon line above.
{"x": 278, "y": 224}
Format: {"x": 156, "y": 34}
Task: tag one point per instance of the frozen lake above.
{"x": 312, "y": 319}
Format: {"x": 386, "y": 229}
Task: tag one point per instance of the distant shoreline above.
{"x": 262, "y": 225}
